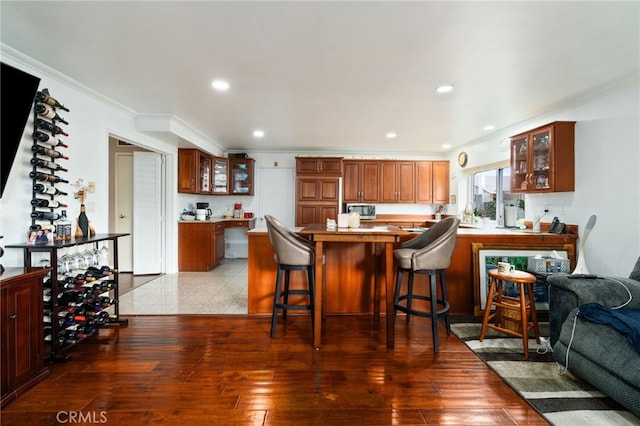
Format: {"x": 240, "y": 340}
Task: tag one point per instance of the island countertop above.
{"x": 354, "y": 293}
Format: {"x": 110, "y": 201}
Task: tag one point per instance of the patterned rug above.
{"x": 562, "y": 399}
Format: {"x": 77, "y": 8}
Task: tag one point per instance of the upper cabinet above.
{"x": 241, "y": 176}
{"x": 432, "y": 182}
{"x": 327, "y": 166}
{"x": 194, "y": 171}
{"x": 220, "y": 175}
{"x": 201, "y": 173}
{"x": 397, "y": 183}
{"x": 542, "y": 160}
{"x": 361, "y": 181}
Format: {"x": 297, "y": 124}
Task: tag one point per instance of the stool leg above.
{"x": 276, "y": 300}
{"x": 311, "y": 272}
{"x": 487, "y": 308}
{"x": 409, "y": 296}
{"x": 534, "y": 313}
{"x": 524, "y": 320}
{"x": 434, "y": 309}
{"x": 287, "y": 275}
{"x": 445, "y": 301}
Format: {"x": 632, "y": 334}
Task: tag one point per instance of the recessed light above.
{"x": 391, "y": 135}
{"x": 220, "y": 85}
{"x": 489, "y": 127}
{"x": 445, "y": 88}
{"x": 446, "y": 146}
{"x": 258, "y": 134}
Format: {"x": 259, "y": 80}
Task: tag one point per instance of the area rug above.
{"x": 560, "y": 397}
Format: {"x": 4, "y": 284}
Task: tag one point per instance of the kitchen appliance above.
{"x": 203, "y": 209}
{"x": 237, "y": 211}
{"x": 366, "y": 211}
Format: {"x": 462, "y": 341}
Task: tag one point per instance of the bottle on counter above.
{"x": 63, "y": 227}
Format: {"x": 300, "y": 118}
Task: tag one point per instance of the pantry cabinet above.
{"x": 326, "y": 166}
{"x": 542, "y": 159}
{"x": 317, "y": 199}
{"x": 361, "y": 181}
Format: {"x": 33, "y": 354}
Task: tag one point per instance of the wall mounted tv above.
{"x": 17, "y": 92}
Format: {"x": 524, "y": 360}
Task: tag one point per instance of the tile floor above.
{"x": 222, "y": 290}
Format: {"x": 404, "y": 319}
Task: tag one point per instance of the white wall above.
{"x": 607, "y": 179}
{"x": 91, "y": 120}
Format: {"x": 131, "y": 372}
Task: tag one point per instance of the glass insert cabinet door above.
{"x": 220, "y": 176}
{"x": 205, "y": 173}
{"x": 531, "y": 162}
{"x": 241, "y": 176}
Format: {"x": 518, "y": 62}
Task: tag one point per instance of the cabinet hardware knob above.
{"x": 122, "y": 216}
{"x": 14, "y": 316}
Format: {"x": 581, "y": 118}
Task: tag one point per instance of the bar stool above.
{"x": 427, "y": 254}
{"x": 292, "y": 253}
{"x": 512, "y": 314}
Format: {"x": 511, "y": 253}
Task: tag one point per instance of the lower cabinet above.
{"x": 201, "y": 245}
{"x": 21, "y": 322}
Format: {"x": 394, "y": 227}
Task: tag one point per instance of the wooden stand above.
{"x": 511, "y": 315}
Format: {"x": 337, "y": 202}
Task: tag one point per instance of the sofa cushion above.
{"x": 603, "y": 346}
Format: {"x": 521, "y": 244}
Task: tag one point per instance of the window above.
{"x": 492, "y": 188}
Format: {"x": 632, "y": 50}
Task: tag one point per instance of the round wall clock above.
{"x": 462, "y": 159}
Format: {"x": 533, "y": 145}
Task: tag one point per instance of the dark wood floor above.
{"x": 212, "y": 370}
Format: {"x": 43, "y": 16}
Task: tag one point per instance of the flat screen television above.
{"x": 17, "y": 92}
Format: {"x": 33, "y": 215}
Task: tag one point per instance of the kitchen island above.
{"x": 352, "y": 269}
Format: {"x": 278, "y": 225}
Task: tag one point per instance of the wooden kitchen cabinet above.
{"x": 542, "y": 159}
{"x": 196, "y": 246}
{"x": 432, "y": 182}
{"x": 319, "y": 166}
{"x": 307, "y": 214}
{"x": 194, "y": 171}
{"x": 361, "y": 181}
{"x": 220, "y": 181}
{"x": 241, "y": 176}
{"x": 317, "y": 198}
{"x": 21, "y": 321}
{"x": 218, "y": 243}
{"x": 397, "y": 184}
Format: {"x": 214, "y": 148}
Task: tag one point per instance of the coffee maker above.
{"x": 203, "y": 212}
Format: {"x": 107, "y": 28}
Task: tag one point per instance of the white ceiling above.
{"x": 336, "y": 76}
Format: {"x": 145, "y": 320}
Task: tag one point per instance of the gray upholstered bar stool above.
{"x": 427, "y": 254}
{"x": 292, "y": 253}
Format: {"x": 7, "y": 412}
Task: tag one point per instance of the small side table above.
{"x": 513, "y": 316}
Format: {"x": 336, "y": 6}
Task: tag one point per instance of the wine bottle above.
{"x": 45, "y": 138}
{"x": 43, "y": 177}
{"x": 63, "y": 228}
{"x": 45, "y": 215}
{"x": 46, "y": 189}
{"x": 39, "y": 162}
{"x": 47, "y": 111}
{"x": 44, "y": 97}
{"x": 48, "y": 151}
{"x": 45, "y": 125}
{"x": 53, "y": 204}
{"x": 83, "y": 221}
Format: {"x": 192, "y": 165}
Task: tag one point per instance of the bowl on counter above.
{"x": 188, "y": 217}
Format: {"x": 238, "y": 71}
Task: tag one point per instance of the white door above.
{"x": 147, "y": 217}
{"x": 124, "y": 209}
{"x": 276, "y": 195}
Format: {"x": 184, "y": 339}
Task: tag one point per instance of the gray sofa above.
{"x": 599, "y": 354}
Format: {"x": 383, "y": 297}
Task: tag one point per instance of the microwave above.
{"x": 366, "y": 211}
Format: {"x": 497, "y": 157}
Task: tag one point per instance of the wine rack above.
{"x": 56, "y": 341}
{"x": 46, "y": 166}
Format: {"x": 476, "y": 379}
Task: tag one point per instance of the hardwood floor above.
{"x": 224, "y": 369}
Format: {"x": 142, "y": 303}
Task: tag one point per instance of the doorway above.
{"x": 125, "y": 211}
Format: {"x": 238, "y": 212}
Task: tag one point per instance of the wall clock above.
{"x": 462, "y": 159}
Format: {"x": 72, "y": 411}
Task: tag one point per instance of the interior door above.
{"x": 147, "y": 217}
{"x": 124, "y": 209}
{"x": 276, "y": 195}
